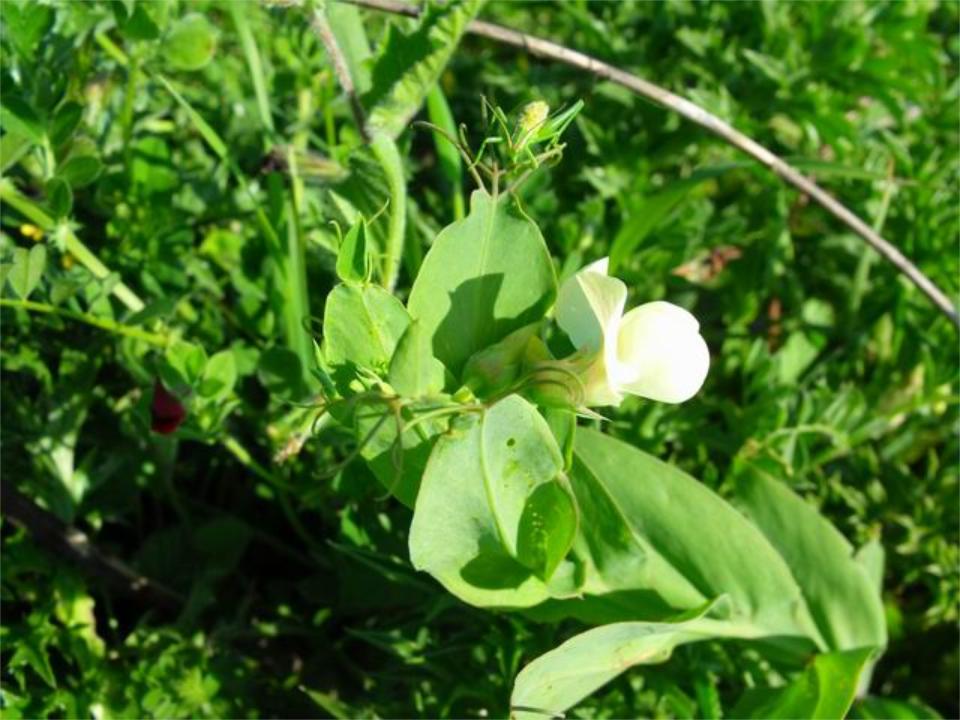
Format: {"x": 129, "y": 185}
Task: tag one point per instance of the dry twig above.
{"x": 75, "y": 547}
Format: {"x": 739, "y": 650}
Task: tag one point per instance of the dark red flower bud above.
{"x": 166, "y": 411}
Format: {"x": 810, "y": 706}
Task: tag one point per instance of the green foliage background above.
{"x": 299, "y": 599}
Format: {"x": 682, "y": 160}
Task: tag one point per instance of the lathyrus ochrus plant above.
{"x": 466, "y": 415}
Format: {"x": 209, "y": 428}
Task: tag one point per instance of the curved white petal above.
{"x": 660, "y": 345}
{"x": 590, "y": 305}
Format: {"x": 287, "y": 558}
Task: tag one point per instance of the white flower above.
{"x": 654, "y": 351}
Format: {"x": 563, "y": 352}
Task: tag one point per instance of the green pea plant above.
{"x": 359, "y": 437}
{"x": 464, "y": 404}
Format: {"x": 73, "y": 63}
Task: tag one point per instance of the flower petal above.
{"x": 598, "y": 390}
{"x": 589, "y": 306}
{"x": 661, "y": 345}
{"x": 167, "y": 413}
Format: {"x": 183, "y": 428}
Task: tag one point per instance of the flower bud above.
{"x": 493, "y": 369}
{"x": 167, "y": 413}
{"x": 532, "y": 118}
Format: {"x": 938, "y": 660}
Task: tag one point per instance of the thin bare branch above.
{"x": 75, "y": 547}
{"x": 695, "y": 113}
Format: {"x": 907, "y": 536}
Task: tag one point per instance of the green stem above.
{"x": 252, "y": 53}
{"x": 388, "y": 155}
{"x": 448, "y": 155}
{"x": 25, "y": 206}
{"x": 98, "y": 322}
{"x": 91, "y": 262}
{"x": 49, "y": 159}
{"x": 297, "y": 307}
{"x": 71, "y": 243}
{"x": 112, "y": 49}
{"x": 458, "y": 409}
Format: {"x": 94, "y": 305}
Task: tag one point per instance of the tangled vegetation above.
{"x": 241, "y": 323}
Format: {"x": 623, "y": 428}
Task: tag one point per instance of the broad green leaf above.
{"x": 13, "y": 147}
{"x": 219, "y": 375}
{"x": 25, "y": 25}
{"x": 191, "y": 43}
{"x": 80, "y": 170}
{"x": 484, "y": 277}
{"x": 27, "y": 269}
{"x": 871, "y": 558}
{"x": 826, "y": 689}
{"x": 62, "y": 289}
{"x": 491, "y": 371}
{"x": 842, "y": 599}
{"x": 187, "y": 360}
{"x": 517, "y": 457}
{"x": 280, "y": 371}
{"x": 64, "y": 122}
{"x": 653, "y": 534}
{"x": 123, "y": 10}
{"x": 152, "y": 169}
{"x": 361, "y": 326}
{"x": 561, "y": 678}
{"x": 139, "y": 25}
{"x": 245, "y": 358}
{"x": 468, "y": 521}
{"x": 547, "y": 528}
{"x": 414, "y": 371}
{"x": 17, "y": 116}
{"x": 59, "y": 197}
{"x": 353, "y": 264}
{"x": 410, "y": 64}
{"x": 797, "y": 354}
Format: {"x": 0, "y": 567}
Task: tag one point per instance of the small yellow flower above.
{"x": 32, "y": 232}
